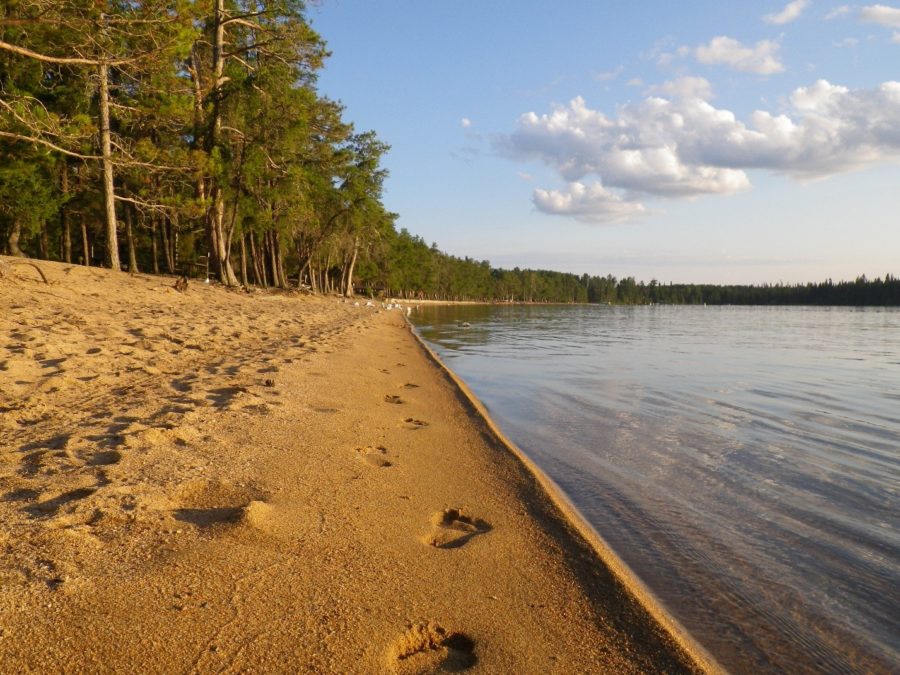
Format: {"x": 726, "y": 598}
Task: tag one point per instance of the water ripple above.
{"x": 745, "y": 462}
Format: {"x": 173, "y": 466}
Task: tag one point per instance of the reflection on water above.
{"x": 745, "y": 462}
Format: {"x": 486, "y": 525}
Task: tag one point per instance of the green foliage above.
{"x": 27, "y": 195}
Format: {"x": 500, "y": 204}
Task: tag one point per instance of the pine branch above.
{"x": 53, "y": 146}
{"x": 66, "y": 61}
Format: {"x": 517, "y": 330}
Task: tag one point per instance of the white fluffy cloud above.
{"x": 465, "y": 123}
{"x": 590, "y": 203}
{"x": 761, "y": 58}
{"x": 791, "y": 11}
{"x": 837, "y": 11}
{"x": 881, "y": 14}
{"x": 683, "y": 146}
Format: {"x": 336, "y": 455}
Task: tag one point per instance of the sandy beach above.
{"x": 222, "y": 481}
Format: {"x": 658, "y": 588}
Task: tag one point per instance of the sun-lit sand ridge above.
{"x": 231, "y": 482}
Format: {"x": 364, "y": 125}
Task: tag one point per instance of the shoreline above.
{"x": 279, "y": 484}
{"x": 605, "y": 553}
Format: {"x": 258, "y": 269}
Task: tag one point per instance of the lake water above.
{"x": 743, "y": 461}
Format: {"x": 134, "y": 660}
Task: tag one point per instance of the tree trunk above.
{"x": 201, "y": 140}
{"x": 348, "y": 292}
{"x": 274, "y": 248}
{"x": 216, "y": 236}
{"x": 85, "y": 243}
{"x": 129, "y": 233}
{"x": 283, "y": 280}
{"x": 326, "y": 277}
{"x": 153, "y": 247}
{"x": 109, "y": 193}
{"x": 65, "y": 227}
{"x": 64, "y": 223}
{"x": 244, "y": 279}
{"x": 304, "y": 269}
{"x": 229, "y": 234}
{"x": 173, "y": 239}
{"x": 219, "y": 255}
{"x": 167, "y": 249}
{"x": 45, "y": 241}
{"x": 259, "y": 265}
{"x": 13, "y": 240}
{"x": 302, "y": 261}
{"x": 313, "y": 278}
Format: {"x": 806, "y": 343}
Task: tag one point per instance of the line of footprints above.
{"x": 427, "y": 646}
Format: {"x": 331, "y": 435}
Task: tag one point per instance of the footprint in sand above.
{"x": 376, "y": 456}
{"x": 33, "y": 462}
{"x": 22, "y": 494}
{"x": 451, "y": 528}
{"x": 223, "y": 396}
{"x": 255, "y": 515}
{"x": 390, "y": 398}
{"x": 105, "y": 458}
{"x": 209, "y": 505}
{"x": 48, "y": 571}
{"x": 429, "y": 647}
{"x": 413, "y": 424}
{"x": 410, "y": 385}
{"x": 52, "y": 506}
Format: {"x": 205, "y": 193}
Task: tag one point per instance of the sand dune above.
{"x": 221, "y": 481}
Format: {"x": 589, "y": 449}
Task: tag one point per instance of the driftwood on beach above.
{"x": 6, "y": 264}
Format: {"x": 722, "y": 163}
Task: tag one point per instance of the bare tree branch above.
{"x": 66, "y": 61}
{"x": 44, "y": 142}
{"x": 140, "y": 203}
{"x": 242, "y": 17}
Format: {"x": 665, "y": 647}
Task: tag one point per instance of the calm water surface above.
{"x": 745, "y": 462}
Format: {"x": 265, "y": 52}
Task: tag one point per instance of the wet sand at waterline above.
{"x": 217, "y": 481}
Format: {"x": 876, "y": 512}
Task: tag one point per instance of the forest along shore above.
{"x": 217, "y": 480}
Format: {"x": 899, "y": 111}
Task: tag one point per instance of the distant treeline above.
{"x": 407, "y": 267}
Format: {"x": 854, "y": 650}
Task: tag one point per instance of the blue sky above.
{"x": 705, "y": 141}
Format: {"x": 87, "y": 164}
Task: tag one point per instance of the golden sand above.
{"x": 220, "y": 481}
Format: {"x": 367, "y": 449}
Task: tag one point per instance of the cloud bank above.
{"x": 683, "y": 146}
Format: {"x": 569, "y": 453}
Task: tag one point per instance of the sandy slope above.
{"x": 217, "y": 481}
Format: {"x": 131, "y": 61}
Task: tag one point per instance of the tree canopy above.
{"x": 193, "y": 129}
